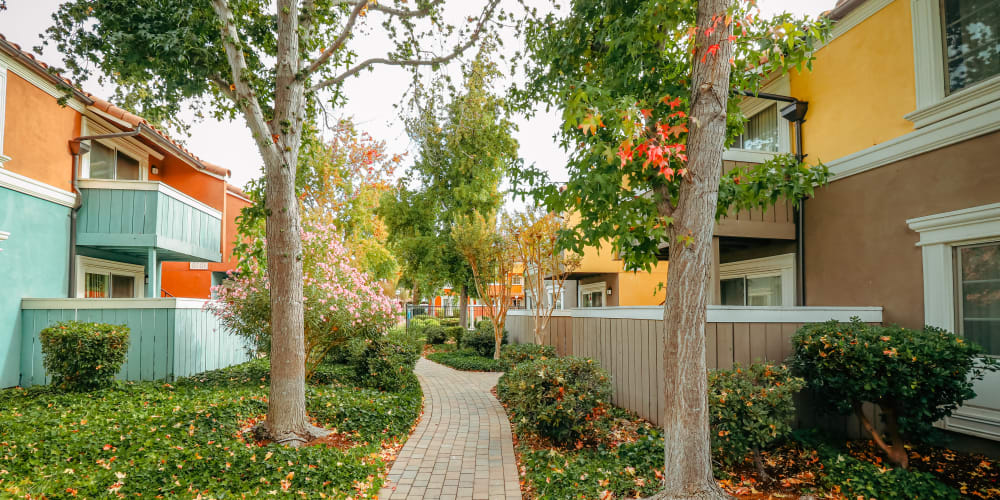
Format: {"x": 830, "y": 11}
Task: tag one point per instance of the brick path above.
{"x": 462, "y": 447}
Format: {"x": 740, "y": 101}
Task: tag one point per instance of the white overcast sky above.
{"x": 372, "y": 96}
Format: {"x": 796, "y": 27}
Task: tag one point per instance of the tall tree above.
{"x": 270, "y": 63}
{"x": 646, "y": 92}
{"x": 465, "y": 150}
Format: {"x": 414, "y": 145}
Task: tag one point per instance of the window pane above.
{"x": 733, "y": 292}
{"x": 764, "y": 291}
{"x": 95, "y": 286}
{"x": 102, "y": 161}
{"x": 122, "y": 287}
{"x": 980, "y": 299}
{"x": 760, "y": 132}
{"x": 971, "y": 41}
{"x": 128, "y": 168}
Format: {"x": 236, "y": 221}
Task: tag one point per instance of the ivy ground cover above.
{"x": 188, "y": 439}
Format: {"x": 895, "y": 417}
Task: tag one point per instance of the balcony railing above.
{"x": 134, "y": 216}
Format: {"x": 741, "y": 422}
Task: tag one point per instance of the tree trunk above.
{"x": 463, "y": 305}
{"x": 687, "y": 448}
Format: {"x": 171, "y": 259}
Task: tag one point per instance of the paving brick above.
{"x": 462, "y": 447}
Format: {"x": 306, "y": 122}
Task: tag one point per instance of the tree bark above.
{"x": 463, "y": 305}
{"x": 895, "y": 449}
{"x": 687, "y": 448}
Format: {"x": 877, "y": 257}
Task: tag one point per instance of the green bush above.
{"x": 419, "y": 325}
{"x": 383, "y": 364}
{"x": 750, "y": 408}
{"x": 557, "y": 398}
{"x": 916, "y": 377}
{"x": 466, "y": 360}
{"x": 454, "y": 333}
{"x": 481, "y": 339}
{"x": 448, "y": 321}
{"x": 859, "y": 479}
{"x": 435, "y": 334}
{"x": 421, "y": 317}
{"x": 83, "y": 356}
{"x": 513, "y": 355}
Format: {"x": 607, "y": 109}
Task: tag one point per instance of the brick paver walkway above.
{"x": 462, "y": 447}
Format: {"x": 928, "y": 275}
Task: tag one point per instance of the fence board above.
{"x": 741, "y": 343}
{"x": 724, "y": 333}
{"x": 758, "y": 342}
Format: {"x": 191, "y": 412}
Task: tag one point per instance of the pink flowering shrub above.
{"x": 340, "y": 301}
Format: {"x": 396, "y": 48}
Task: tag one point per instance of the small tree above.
{"x": 490, "y": 253}
{"x": 915, "y": 377}
{"x": 546, "y": 264}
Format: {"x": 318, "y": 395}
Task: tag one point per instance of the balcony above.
{"x": 139, "y": 217}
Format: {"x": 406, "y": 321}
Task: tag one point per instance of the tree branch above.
{"x": 473, "y": 37}
{"x": 341, "y": 38}
{"x": 242, "y": 95}
{"x": 403, "y": 13}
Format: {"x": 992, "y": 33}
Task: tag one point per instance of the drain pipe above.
{"x": 795, "y": 113}
{"x": 78, "y": 148}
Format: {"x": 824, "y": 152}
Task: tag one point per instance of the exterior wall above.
{"x": 641, "y": 288}
{"x": 858, "y": 248}
{"x": 190, "y": 181}
{"x": 864, "y": 78}
{"x": 34, "y": 262}
{"x": 37, "y": 131}
{"x": 610, "y": 281}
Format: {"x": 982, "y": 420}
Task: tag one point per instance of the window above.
{"x": 106, "y": 279}
{"x": 978, "y": 298}
{"x": 760, "y": 133}
{"x": 592, "y": 295}
{"x": 109, "y": 163}
{"x": 768, "y": 281}
{"x": 517, "y": 280}
{"x": 971, "y": 30}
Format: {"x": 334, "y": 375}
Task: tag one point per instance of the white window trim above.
{"x": 939, "y": 235}
{"x": 778, "y": 265}
{"x": 933, "y": 103}
{"x": 92, "y": 265}
{"x": 600, "y": 286}
{"x": 753, "y": 105}
{"x": 38, "y": 189}
{"x": 131, "y": 148}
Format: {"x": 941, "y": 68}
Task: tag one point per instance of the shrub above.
{"x": 418, "y": 327}
{"x": 750, "y": 409}
{"x": 482, "y": 340}
{"x": 448, "y": 321}
{"x": 455, "y": 333}
{"x": 421, "y": 317}
{"x": 556, "y": 398}
{"x": 466, "y": 360}
{"x": 513, "y": 355}
{"x": 383, "y": 364}
{"x": 83, "y": 356}
{"x": 435, "y": 334}
{"x": 915, "y": 377}
{"x": 855, "y": 478}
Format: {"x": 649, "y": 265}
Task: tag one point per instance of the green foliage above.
{"x": 482, "y": 339}
{"x": 467, "y": 360}
{"x": 384, "y": 364}
{"x": 448, "y": 321}
{"x": 435, "y": 334}
{"x": 455, "y": 333}
{"x": 156, "y": 439}
{"x": 751, "y": 408}
{"x": 418, "y": 327}
{"x": 858, "y": 479}
{"x": 83, "y": 356}
{"x": 629, "y": 470}
{"x": 513, "y": 355}
{"x": 617, "y": 70}
{"x": 919, "y": 375}
{"x": 557, "y": 398}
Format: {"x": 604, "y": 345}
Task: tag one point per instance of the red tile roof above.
{"x": 237, "y": 191}
{"x": 104, "y": 106}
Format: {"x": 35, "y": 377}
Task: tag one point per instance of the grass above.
{"x": 466, "y": 360}
{"x": 185, "y": 440}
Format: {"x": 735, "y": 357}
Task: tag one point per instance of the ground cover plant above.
{"x": 466, "y": 360}
{"x": 186, "y": 439}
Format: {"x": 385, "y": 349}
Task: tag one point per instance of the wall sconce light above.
{"x": 609, "y": 291}
{"x": 156, "y": 170}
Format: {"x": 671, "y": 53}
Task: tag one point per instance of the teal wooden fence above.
{"x": 121, "y": 215}
{"x": 169, "y": 338}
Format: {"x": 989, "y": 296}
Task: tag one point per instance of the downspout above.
{"x": 77, "y": 148}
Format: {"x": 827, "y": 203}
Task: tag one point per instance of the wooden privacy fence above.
{"x": 169, "y": 338}
{"x": 628, "y": 342}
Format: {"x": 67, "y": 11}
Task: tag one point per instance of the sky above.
{"x": 373, "y": 95}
